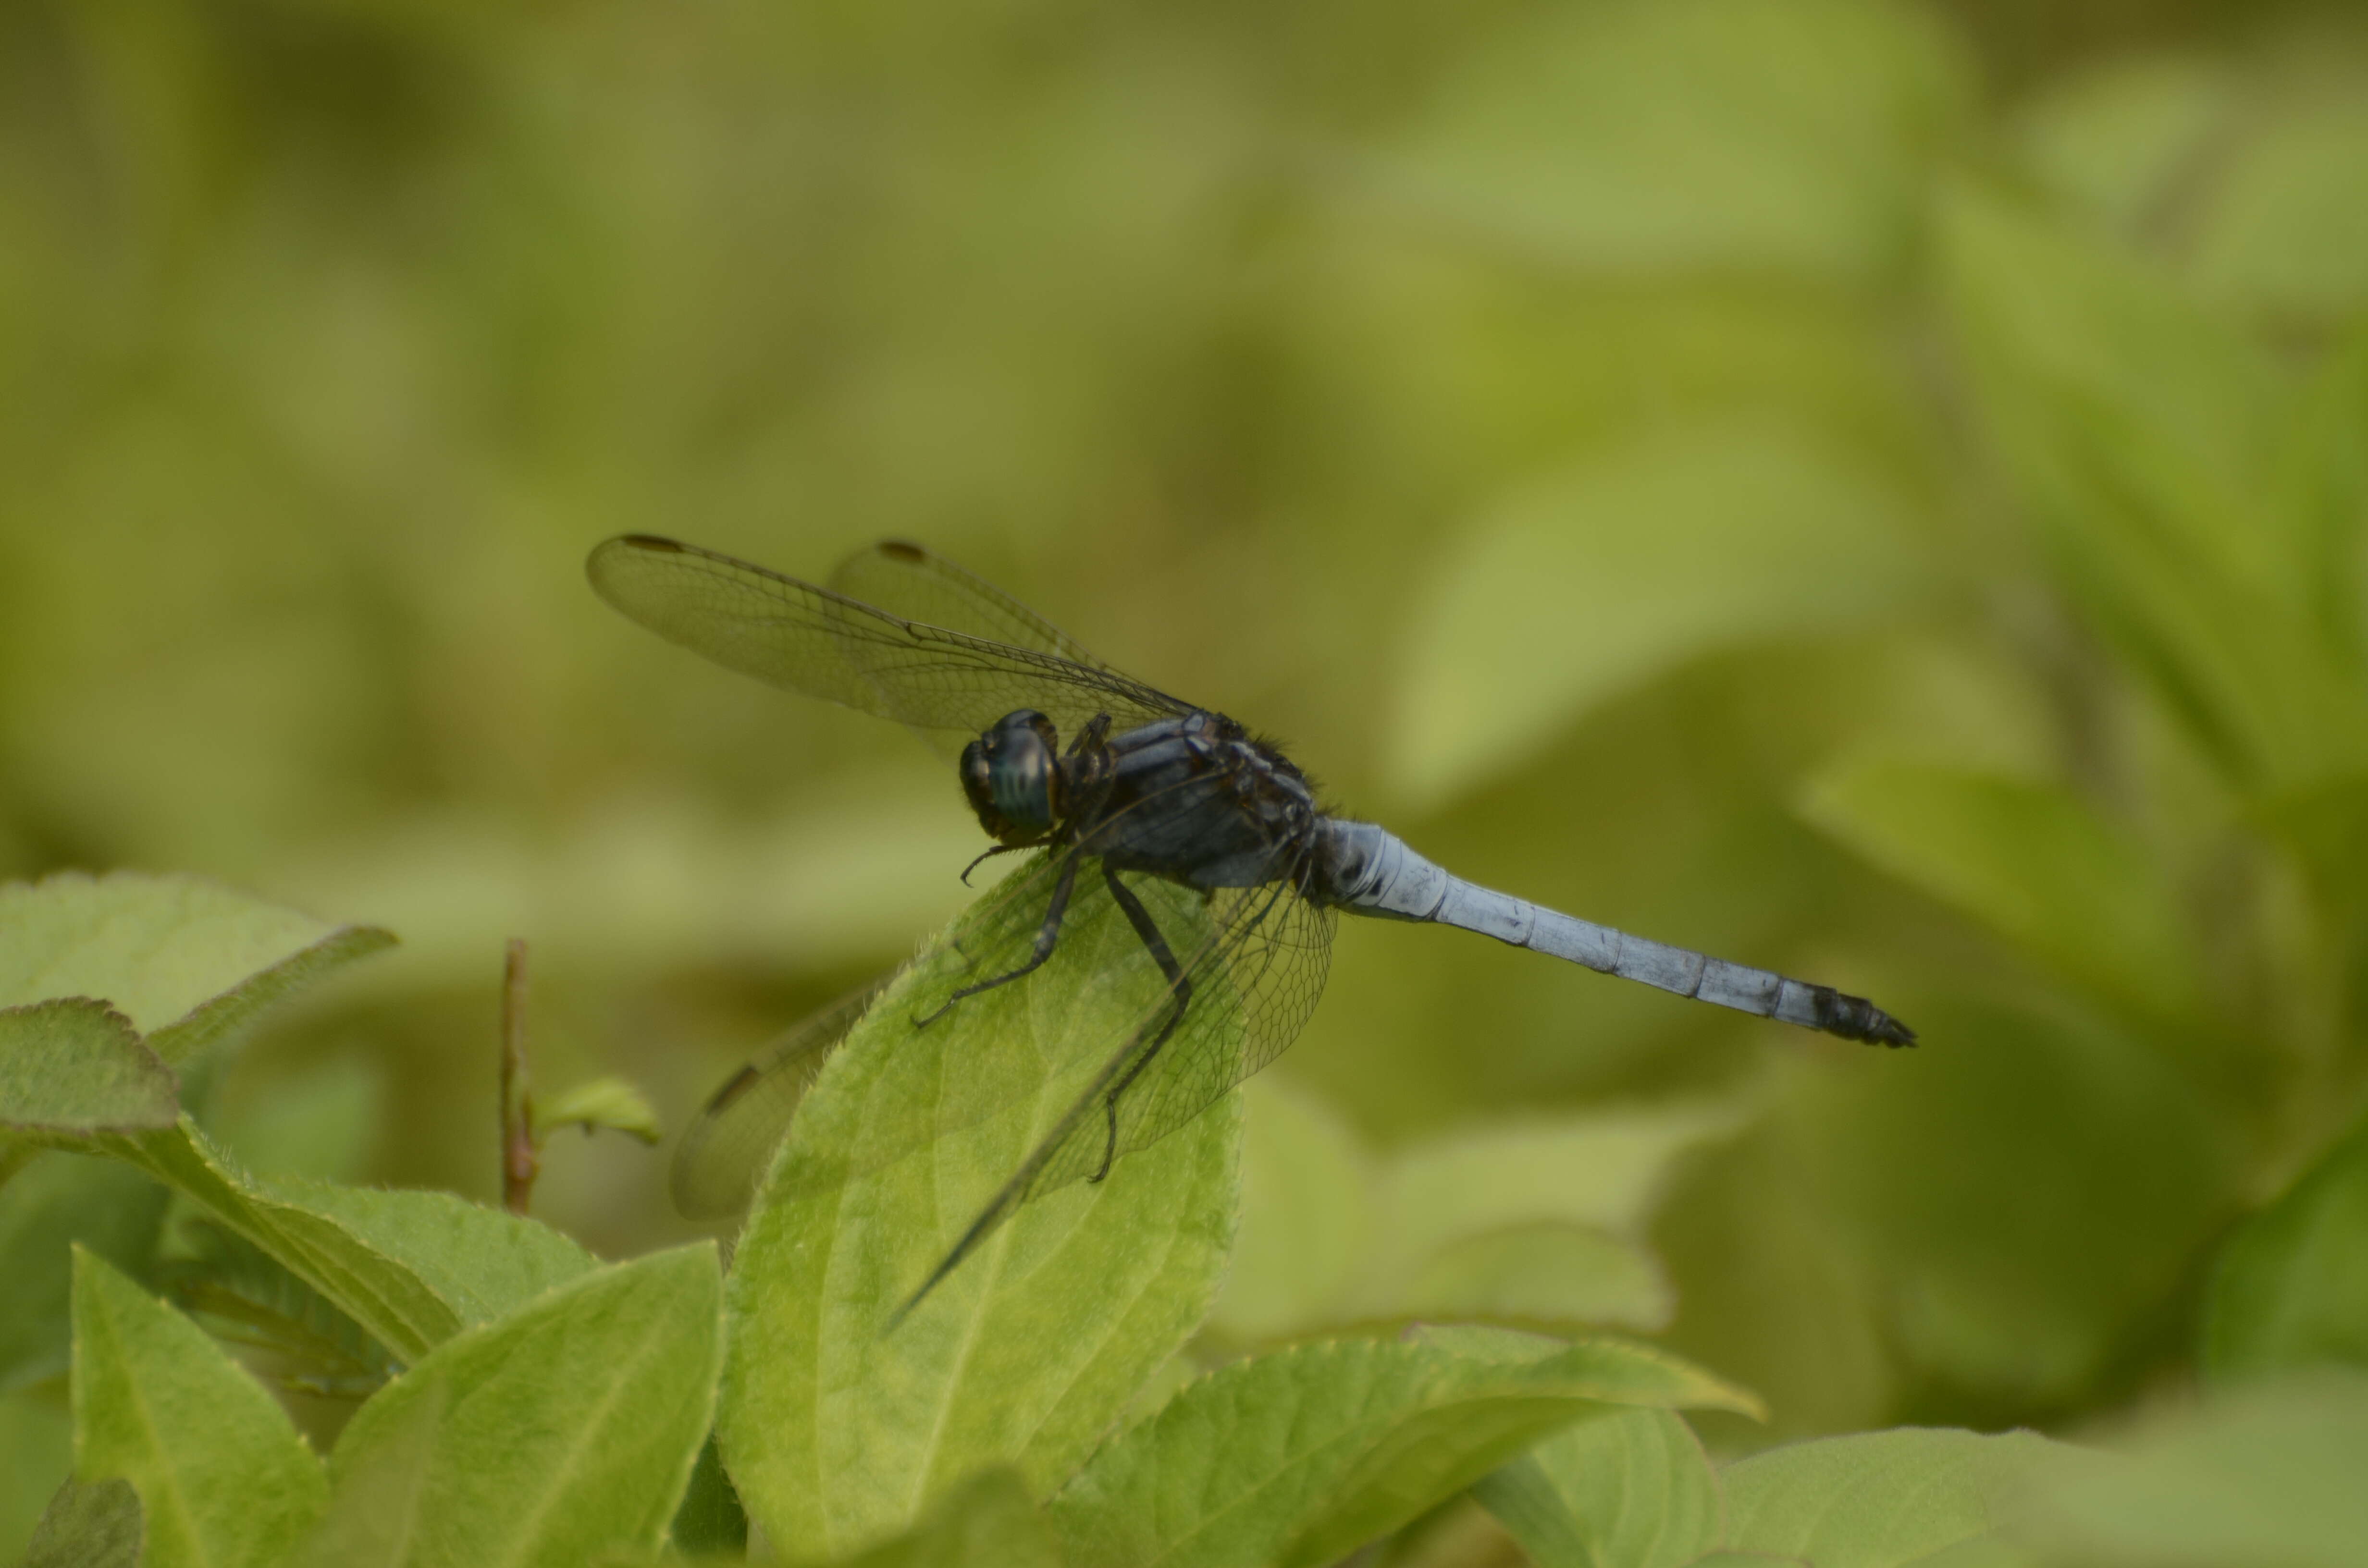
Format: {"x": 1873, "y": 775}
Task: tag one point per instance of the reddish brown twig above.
{"x": 519, "y": 1165}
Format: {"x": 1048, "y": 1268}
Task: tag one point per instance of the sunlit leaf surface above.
{"x": 224, "y": 1481}
{"x": 839, "y": 1429}
{"x": 563, "y": 1430}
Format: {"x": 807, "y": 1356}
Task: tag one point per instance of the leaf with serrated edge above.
{"x": 1630, "y": 1487}
{"x": 839, "y": 1432}
{"x": 1879, "y": 1499}
{"x": 567, "y": 1429}
{"x": 185, "y": 960}
{"x": 78, "y": 1063}
{"x": 223, "y": 1479}
{"x": 411, "y": 1268}
{"x": 1299, "y": 1457}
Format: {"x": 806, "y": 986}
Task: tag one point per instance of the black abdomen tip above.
{"x": 1855, "y": 1018}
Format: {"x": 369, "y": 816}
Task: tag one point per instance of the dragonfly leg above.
{"x": 1048, "y": 935}
{"x": 1148, "y": 929}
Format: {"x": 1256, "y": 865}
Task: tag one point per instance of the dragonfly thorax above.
{"x": 1012, "y": 775}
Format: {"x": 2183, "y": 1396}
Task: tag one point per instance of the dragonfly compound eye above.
{"x": 1011, "y": 774}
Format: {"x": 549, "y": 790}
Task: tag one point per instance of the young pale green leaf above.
{"x": 562, "y": 1431}
{"x": 1299, "y": 1457}
{"x": 411, "y": 1268}
{"x": 223, "y": 1479}
{"x": 1593, "y": 583}
{"x": 2029, "y": 861}
{"x": 989, "y": 1521}
{"x": 76, "y": 1064}
{"x": 1305, "y": 1214}
{"x": 840, "y": 1429}
{"x": 2268, "y": 1474}
{"x": 2142, "y": 432}
{"x": 1881, "y": 1499}
{"x": 186, "y": 961}
{"x": 614, "y": 1103}
{"x": 89, "y": 1524}
{"x": 1624, "y": 1489}
{"x": 2292, "y": 1287}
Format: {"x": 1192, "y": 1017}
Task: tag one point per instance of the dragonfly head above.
{"x": 1012, "y": 775}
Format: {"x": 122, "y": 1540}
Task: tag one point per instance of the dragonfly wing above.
{"x": 724, "y": 1150}
{"x": 807, "y": 639}
{"x": 1250, "y": 982}
{"x": 913, "y": 582}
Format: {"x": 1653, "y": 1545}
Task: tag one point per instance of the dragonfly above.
{"x": 1210, "y": 844}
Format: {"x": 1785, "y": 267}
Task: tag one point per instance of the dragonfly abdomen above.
{"x": 1371, "y": 870}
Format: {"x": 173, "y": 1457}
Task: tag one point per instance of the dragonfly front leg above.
{"x": 1181, "y": 988}
{"x": 1048, "y": 935}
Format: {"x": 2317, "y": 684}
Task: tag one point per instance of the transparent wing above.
{"x": 1247, "y": 987}
{"x": 807, "y": 639}
{"x": 918, "y": 584}
{"x": 1253, "y": 960}
{"x": 723, "y": 1151}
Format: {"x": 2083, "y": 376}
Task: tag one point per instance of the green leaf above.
{"x": 90, "y": 1525}
{"x": 1625, "y": 1489}
{"x": 1305, "y": 1214}
{"x": 2142, "y": 436}
{"x": 612, "y": 1103}
{"x": 2029, "y": 861}
{"x": 1299, "y": 1457}
{"x": 1588, "y": 584}
{"x": 222, "y": 1476}
{"x": 2268, "y": 1474}
{"x": 377, "y": 1511}
{"x": 186, "y": 961}
{"x": 2291, "y": 1289}
{"x": 840, "y": 1430}
{"x": 77, "y": 1063}
{"x": 566, "y": 1430}
{"x": 1881, "y": 1499}
{"x": 1537, "y": 1219}
{"x": 411, "y": 1268}
{"x": 1707, "y": 134}
{"x": 989, "y": 1521}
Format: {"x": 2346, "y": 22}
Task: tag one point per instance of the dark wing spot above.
{"x": 902, "y": 550}
{"x": 650, "y": 541}
{"x": 734, "y": 1089}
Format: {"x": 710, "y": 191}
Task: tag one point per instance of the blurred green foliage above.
{"x": 1871, "y": 489}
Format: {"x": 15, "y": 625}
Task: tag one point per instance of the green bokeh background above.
{"x": 1769, "y": 474}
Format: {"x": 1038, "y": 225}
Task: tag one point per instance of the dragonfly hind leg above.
{"x": 1181, "y": 988}
{"x": 1048, "y": 937}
